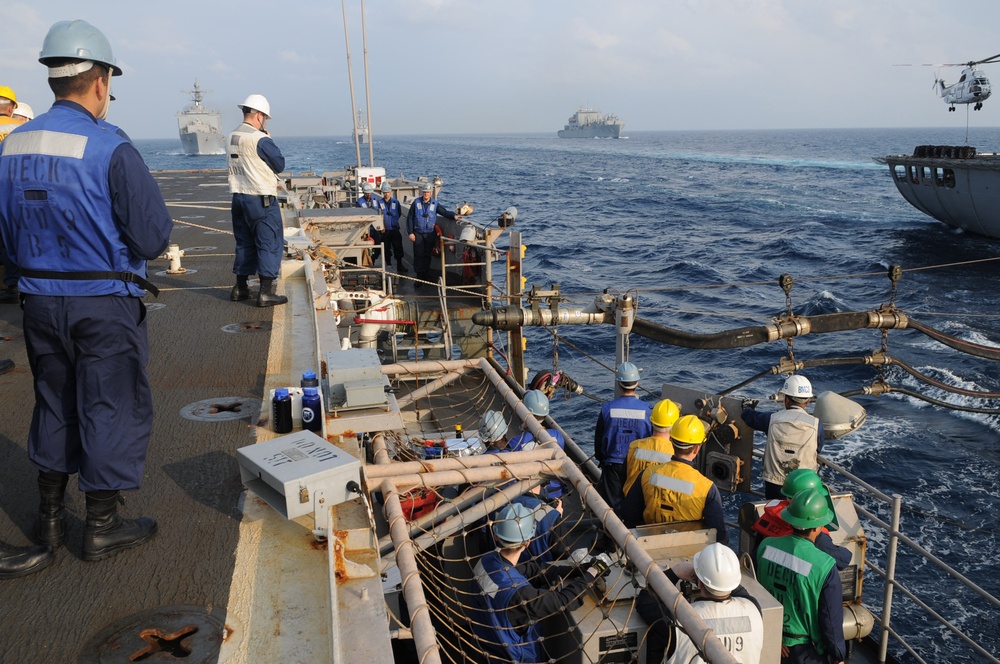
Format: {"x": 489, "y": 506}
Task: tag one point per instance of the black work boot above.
{"x": 241, "y": 291}
{"x": 18, "y": 561}
{"x": 268, "y": 296}
{"x": 51, "y": 526}
{"x": 6, "y": 365}
{"x": 106, "y": 532}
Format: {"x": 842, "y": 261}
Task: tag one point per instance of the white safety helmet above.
{"x": 24, "y": 111}
{"x": 797, "y": 387}
{"x": 718, "y": 568}
{"x": 257, "y": 103}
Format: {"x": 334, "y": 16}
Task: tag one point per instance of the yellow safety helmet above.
{"x": 7, "y": 93}
{"x": 688, "y": 430}
{"x": 664, "y": 414}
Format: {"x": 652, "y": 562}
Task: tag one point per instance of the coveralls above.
{"x": 621, "y": 421}
{"x": 420, "y": 222}
{"x": 80, "y": 215}
{"x": 254, "y": 161}
{"x": 525, "y": 441}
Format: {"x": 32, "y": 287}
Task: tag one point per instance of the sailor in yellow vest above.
{"x": 656, "y": 449}
{"x": 8, "y": 294}
{"x": 722, "y": 603}
{"x": 805, "y": 581}
{"x": 8, "y": 103}
{"x": 676, "y": 490}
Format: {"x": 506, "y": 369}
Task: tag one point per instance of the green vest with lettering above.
{"x": 794, "y": 570}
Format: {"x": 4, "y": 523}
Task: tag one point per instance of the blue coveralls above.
{"x": 258, "y": 228}
{"x": 80, "y": 201}
{"x": 555, "y": 488}
{"x": 497, "y": 586}
{"x": 621, "y": 421}
{"x": 420, "y": 222}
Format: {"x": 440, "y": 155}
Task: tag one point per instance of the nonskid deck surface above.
{"x": 207, "y": 354}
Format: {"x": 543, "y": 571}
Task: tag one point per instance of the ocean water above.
{"x": 699, "y": 226}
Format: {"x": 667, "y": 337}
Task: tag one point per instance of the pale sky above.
{"x": 513, "y": 66}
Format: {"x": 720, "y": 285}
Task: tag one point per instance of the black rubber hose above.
{"x": 988, "y": 352}
{"x": 744, "y": 337}
{"x": 936, "y": 402}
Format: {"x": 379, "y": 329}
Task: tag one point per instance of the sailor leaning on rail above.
{"x": 676, "y": 490}
{"x": 420, "y": 225}
{"x": 805, "y": 581}
{"x": 84, "y": 321}
{"x": 621, "y": 421}
{"x": 794, "y": 437}
{"x": 733, "y": 613}
{"x": 254, "y": 162}
{"x": 509, "y": 606}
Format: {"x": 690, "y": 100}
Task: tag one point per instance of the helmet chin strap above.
{"x": 107, "y": 101}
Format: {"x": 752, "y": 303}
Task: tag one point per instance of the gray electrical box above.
{"x": 298, "y": 474}
{"x": 356, "y": 380}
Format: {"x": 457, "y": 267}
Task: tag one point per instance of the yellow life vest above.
{"x": 646, "y": 453}
{"x": 675, "y": 491}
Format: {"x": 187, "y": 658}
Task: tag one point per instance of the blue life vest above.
{"x": 424, "y": 216}
{"x": 374, "y": 203}
{"x": 391, "y": 212}
{"x": 497, "y": 580}
{"x": 55, "y": 205}
{"x": 625, "y": 419}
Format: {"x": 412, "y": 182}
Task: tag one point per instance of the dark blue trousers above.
{"x": 259, "y": 236}
{"x": 423, "y": 250}
{"x": 93, "y": 405}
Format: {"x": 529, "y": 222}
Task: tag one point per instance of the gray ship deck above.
{"x": 192, "y": 483}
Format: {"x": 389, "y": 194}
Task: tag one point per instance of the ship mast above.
{"x": 350, "y": 80}
{"x": 368, "y": 98}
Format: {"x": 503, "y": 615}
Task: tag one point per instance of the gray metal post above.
{"x": 890, "y": 577}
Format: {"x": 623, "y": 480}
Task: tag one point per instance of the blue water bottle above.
{"x": 311, "y": 413}
{"x": 309, "y": 379}
{"x": 281, "y": 410}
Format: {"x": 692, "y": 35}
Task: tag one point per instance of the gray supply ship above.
{"x": 362, "y": 129}
{"x": 954, "y": 184}
{"x": 200, "y": 128}
{"x": 588, "y": 123}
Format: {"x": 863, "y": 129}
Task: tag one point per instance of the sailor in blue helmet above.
{"x": 513, "y": 598}
{"x": 538, "y": 404}
{"x": 254, "y": 162}
{"x": 621, "y": 421}
{"x": 392, "y": 237}
{"x": 420, "y": 222}
{"x": 82, "y": 284}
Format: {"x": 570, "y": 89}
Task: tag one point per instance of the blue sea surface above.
{"x": 699, "y": 226}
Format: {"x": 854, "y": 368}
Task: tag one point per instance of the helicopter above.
{"x": 972, "y": 87}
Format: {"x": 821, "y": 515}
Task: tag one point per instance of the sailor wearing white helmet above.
{"x": 23, "y": 113}
{"x": 420, "y": 223}
{"x": 392, "y": 237}
{"x": 254, "y": 162}
{"x": 794, "y": 437}
{"x": 727, "y": 607}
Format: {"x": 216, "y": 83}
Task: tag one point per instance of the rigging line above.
{"x": 207, "y": 228}
{"x": 936, "y": 383}
{"x": 930, "y": 400}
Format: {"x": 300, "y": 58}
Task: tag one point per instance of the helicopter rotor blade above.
{"x": 986, "y": 61}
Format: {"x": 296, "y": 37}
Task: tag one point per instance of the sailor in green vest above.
{"x": 805, "y": 581}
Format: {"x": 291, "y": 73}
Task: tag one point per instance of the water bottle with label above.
{"x": 312, "y": 414}
{"x": 281, "y": 410}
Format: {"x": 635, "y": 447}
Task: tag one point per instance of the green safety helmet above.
{"x": 808, "y": 509}
{"x": 801, "y": 479}
{"x": 536, "y": 402}
{"x": 515, "y": 525}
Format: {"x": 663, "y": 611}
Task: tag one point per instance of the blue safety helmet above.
{"x": 515, "y": 524}
{"x": 493, "y": 427}
{"x": 627, "y": 373}
{"x": 77, "y": 40}
{"x": 386, "y": 187}
{"x": 426, "y": 187}
{"x": 536, "y": 402}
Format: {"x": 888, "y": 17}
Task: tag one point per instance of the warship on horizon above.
{"x": 200, "y": 128}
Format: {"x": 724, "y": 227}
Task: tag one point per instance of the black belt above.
{"x": 127, "y": 277}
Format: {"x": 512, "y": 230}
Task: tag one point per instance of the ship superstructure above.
{"x": 588, "y": 123}
{"x": 200, "y": 128}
